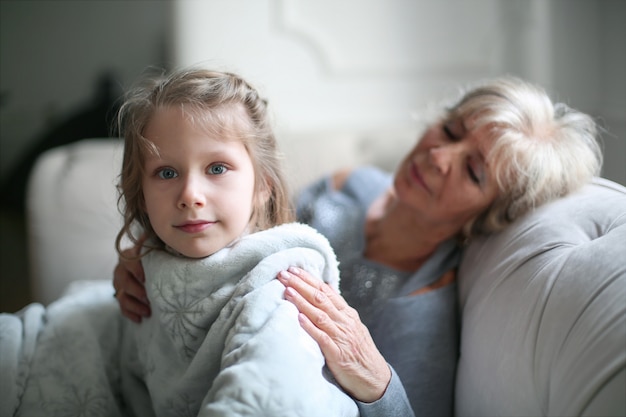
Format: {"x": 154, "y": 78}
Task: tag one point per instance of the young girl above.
{"x": 201, "y": 177}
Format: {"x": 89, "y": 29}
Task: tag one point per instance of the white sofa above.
{"x": 543, "y": 304}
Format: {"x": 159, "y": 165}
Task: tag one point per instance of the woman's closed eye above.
{"x": 447, "y": 129}
{"x": 454, "y": 130}
{"x": 476, "y": 170}
{"x": 472, "y": 174}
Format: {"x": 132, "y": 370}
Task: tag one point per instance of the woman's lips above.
{"x": 417, "y": 177}
{"x": 194, "y": 226}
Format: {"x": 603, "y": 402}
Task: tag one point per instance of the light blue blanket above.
{"x": 221, "y": 341}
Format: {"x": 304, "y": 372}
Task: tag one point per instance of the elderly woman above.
{"x": 391, "y": 338}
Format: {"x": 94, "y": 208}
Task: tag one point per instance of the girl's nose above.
{"x": 192, "y": 195}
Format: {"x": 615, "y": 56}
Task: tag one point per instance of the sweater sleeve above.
{"x": 394, "y": 401}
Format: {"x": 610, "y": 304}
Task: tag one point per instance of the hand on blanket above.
{"x": 128, "y": 281}
{"x": 347, "y": 345}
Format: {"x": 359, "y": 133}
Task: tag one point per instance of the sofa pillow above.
{"x": 543, "y": 307}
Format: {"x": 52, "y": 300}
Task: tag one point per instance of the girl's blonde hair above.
{"x": 540, "y": 150}
{"x": 225, "y": 104}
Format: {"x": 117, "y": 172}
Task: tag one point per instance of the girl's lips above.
{"x": 195, "y": 226}
{"x": 417, "y": 177}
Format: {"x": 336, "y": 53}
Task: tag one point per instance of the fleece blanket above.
{"x": 221, "y": 341}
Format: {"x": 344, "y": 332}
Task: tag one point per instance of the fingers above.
{"x": 326, "y": 343}
{"x": 128, "y": 281}
{"x": 130, "y": 262}
{"x": 317, "y": 301}
{"x": 132, "y": 308}
{"x": 314, "y": 290}
{"x": 317, "y": 316}
{"x": 309, "y": 279}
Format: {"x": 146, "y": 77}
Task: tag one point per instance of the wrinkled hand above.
{"x": 128, "y": 281}
{"x": 346, "y": 343}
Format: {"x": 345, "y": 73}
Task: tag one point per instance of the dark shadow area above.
{"x": 94, "y": 120}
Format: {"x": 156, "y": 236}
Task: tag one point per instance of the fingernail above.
{"x": 293, "y": 270}
{"x": 284, "y": 276}
{"x": 302, "y": 318}
{"x": 289, "y": 292}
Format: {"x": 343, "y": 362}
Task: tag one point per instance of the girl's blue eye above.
{"x": 217, "y": 169}
{"x": 167, "y": 173}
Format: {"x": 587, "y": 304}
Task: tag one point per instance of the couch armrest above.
{"x": 72, "y": 217}
{"x": 544, "y": 318}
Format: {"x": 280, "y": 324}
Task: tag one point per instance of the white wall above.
{"x": 324, "y": 64}
{"x": 342, "y": 64}
{"x": 359, "y": 64}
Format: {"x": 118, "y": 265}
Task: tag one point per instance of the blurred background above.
{"x": 340, "y": 65}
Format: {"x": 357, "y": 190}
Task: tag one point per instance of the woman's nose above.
{"x": 192, "y": 195}
{"x": 441, "y": 158}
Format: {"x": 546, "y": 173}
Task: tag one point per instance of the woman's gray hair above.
{"x": 540, "y": 150}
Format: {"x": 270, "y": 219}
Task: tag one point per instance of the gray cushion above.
{"x": 544, "y": 311}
